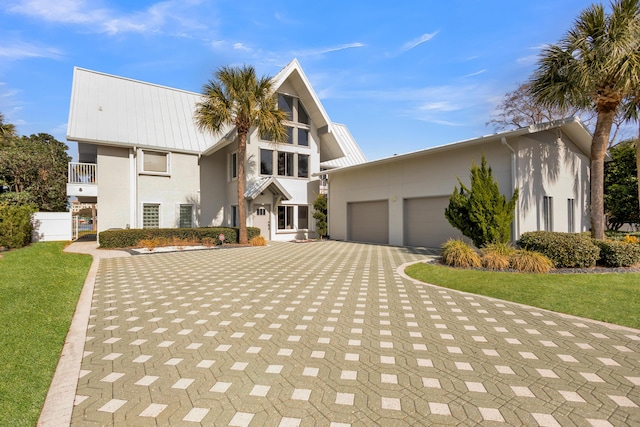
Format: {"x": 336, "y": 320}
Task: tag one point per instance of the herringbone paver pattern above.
{"x": 329, "y": 334}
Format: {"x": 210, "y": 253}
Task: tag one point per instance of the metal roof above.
{"x": 353, "y": 155}
{"x": 256, "y": 187}
{"x": 571, "y": 126}
{"x": 112, "y": 110}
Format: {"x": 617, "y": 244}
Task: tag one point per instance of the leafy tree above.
{"x": 320, "y": 214}
{"x": 595, "y": 65}
{"x": 519, "y": 109}
{"x": 621, "y": 186}
{"x": 481, "y": 213}
{"x": 631, "y": 110}
{"x": 33, "y": 170}
{"x": 236, "y": 97}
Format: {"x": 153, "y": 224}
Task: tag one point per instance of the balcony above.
{"x": 82, "y": 180}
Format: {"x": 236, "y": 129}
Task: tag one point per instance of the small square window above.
{"x": 154, "y": 161}
{"x": 186, "y": 216}
{"x": 150, "y": 215}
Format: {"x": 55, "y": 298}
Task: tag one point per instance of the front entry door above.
{"x": 262, "y": 220}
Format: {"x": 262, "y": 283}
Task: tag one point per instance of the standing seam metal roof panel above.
{"x": 119, "y": 111}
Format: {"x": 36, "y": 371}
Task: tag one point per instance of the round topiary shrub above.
{"x": 614, "y": 253}
{"x": 566, "y": 250}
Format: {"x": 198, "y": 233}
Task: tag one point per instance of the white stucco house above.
{"x": 142, "y": 158}
{"x": 400, "y": 200}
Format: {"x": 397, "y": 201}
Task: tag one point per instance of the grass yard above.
{"x": 39, "y": 289}
{"x": 612, "y": 298}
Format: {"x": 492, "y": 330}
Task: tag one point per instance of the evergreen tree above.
{"x": 320, "y": 214}
{"x": 481, "y": 213}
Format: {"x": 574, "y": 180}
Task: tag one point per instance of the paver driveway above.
{"x": 329, "y": 334}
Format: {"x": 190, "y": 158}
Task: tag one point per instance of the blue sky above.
{"x": 402, "y": 75}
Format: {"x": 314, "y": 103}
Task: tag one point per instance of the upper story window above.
{"x": 155, "y": 162}
{"x": 266, "y": 162}
{"x": 297, "y": 120}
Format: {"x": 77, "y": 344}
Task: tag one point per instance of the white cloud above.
{"x": 325, "y": 50}
{"x": 477, "y": 73}
{"x": 527, "y": 60}
{"x": 241, "y": 46}
{"x": 418, "y": 41}
{"x": 167, "y": 16}
{"x": 16, "y": 50}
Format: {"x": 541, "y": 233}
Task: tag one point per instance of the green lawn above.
{"x": 612, "y": 298}
{"x": 39, "y": 289}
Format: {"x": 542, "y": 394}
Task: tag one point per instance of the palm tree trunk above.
{"x": 242, "y": 213}
{"x": 598, "y": 151}
{"x": 638, "y": 160}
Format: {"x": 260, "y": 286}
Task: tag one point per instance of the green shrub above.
{"x": 15, "y": 226}
{"x": 205, "y": 235}
{"x": 481, "y": 212}
{"x": 527, "y": 261}
{"x": 500, "y": 248}
{"x": 618, "y": 253}
{"x": 565, "y": 250}
{"x": 457, "y": 253}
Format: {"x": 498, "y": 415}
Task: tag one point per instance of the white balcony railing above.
{"x": 82, "y": 173}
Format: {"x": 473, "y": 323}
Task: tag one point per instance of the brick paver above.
{"x": 329, "y": 334}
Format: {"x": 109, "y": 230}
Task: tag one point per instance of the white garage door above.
{"x": 368, "y": 221}
{"x": 425, "y": 223}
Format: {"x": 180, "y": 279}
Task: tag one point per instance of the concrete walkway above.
{"x": 330, "y": 334}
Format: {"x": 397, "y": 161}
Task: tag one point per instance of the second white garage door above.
{"x": 368, "y": 221}
{"x": 425, "y": 223}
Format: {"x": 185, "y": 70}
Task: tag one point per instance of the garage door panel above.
{"x": 425, "y": 223}
{"x": 368, "y": 221}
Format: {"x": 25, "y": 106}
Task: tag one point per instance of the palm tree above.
{"x": 236, "y": 97}
{"x": 7, "y": 130}
{"x": 595, "y": 65}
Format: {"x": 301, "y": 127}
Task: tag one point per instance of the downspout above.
{"x": 514, "y": 183}
{"x": 133, "y": 182}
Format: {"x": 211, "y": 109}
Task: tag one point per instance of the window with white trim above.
{"x": 547, "y": 213}
{"x": 233, "y": 166}
{"x": 151, "y": 215}
{"x": 285, "y": 163}
{"x": 155, "y": 162}
{"x": 571, "y": 215}
{"x": 292, "y": 217}
{"x": 233, "y": 216}
{"x": 303, "y": 217}
{"x": 185, "y": 219}
{"x": 297, "y": 123}
{"x": 303, "y": 166}
{"x": 266, "y": 162}
{"x": 285, "y": 217}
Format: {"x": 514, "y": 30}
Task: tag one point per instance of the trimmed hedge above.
{"x": 566, "y": 250}
{"x": 130, "y": 238}
{"x": 615, "y": 253}
{"x": 15, "y": 226}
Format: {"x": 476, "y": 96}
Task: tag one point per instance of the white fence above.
{"x": 51, "y": 226}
